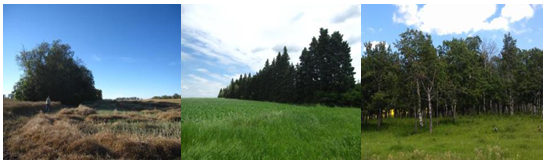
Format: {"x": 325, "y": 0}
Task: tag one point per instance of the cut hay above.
{"x": 104, "y": 118}
{"x": 154, "y": 111}
{"x": 118, "y": 117}
{"x": 170, "y": 116}
{"x": 85, "y": 133}
{"x": 80, "y": 110}
{"x": 49, "y": 137}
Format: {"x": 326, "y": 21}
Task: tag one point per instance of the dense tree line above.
{"x": 128, "y": 98}
{"x": 463, "y": 76}
{"x": 324, "y": 75}
{"x": 51, "y": 70}
{"x": 174, "y": 96}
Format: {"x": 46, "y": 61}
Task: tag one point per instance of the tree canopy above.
{"x": 324, "y": 75}
{"x": 461, "y": 76}
{"x": 50, "y": 69}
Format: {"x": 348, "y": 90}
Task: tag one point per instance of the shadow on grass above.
{"x": 132, "y": 105}
{"x": 367, "y": 126}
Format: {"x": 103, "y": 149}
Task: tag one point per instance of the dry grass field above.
{"x": 146, "y": 129}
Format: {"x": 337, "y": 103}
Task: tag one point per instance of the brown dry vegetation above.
{"x": 93, "y": 132}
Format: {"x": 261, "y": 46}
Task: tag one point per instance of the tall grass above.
{"x": 470, "y": 137}
{"x": 240, "y": 129}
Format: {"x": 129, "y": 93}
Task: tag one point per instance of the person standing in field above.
{"x": 47, "y": 104}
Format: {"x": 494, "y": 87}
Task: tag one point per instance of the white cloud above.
{"x": 352, "y": 12}
{"x": 96, "y": 58}
{"x": 247, "y": 36}
{"x": 370, "y": 29}
{"x": 185, "y": 56}
{"x": 198, "y": 78}
{"x": 202, "y": 70}
{"x": 196, "y": 86}
{"x": 447, "y": 19}
{"x": 374, "y": 43}
{"x": 514, "y": 12}
{"x": 218, "y": 77}
{"x": 214, "y": 75}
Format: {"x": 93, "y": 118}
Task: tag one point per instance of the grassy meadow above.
{"x": 146, "y": 129}
{"x": 240, "y": 129}
{"x": 470, "y": 137}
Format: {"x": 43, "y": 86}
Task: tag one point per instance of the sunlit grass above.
{"x": 470, "y": 137}
{"x": 240, "y": 129}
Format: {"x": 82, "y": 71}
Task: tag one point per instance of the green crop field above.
{"x": 240, "y": 129}
{"x": 471, "y": 137}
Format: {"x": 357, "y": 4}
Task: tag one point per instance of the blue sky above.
{"x": 132, "y": 50}
{"x": 444, "y": 22}
{"x": 220, "y": 42}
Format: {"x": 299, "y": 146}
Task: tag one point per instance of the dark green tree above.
{"x": 380, "y": 71}
{"x": 52, "y": 70}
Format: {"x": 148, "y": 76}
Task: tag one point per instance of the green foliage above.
{"x": 461, "y": 76}
{"x": 324, "y": 75}
{"x": 174, "y": 96}
{"x": 51, "y": 70}
{"x": 381, "y": 70}
{"x": 231, "y": 129}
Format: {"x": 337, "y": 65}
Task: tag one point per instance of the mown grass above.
{"x": 470, "y": 137}
{"x": 98, "y": 130}
{"x": 240, "y": 129}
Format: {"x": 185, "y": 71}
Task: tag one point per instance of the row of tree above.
{"x": 50, "y": 70}
{"x": 128, "y": 98}
{"x": 9, "y": 96}
{"x": 174, "y": 96}
{"x": 324, "y": 75}
{"x": 461, "y": 76}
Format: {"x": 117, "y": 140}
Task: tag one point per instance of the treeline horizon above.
{"x": 174, "y": 96}
{"x": 324, "y": 75}
{"x": 462, "y": 76}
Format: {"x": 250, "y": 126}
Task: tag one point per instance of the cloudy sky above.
{"x": 443, "y": 22}
{"x": 220, "y": 42}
